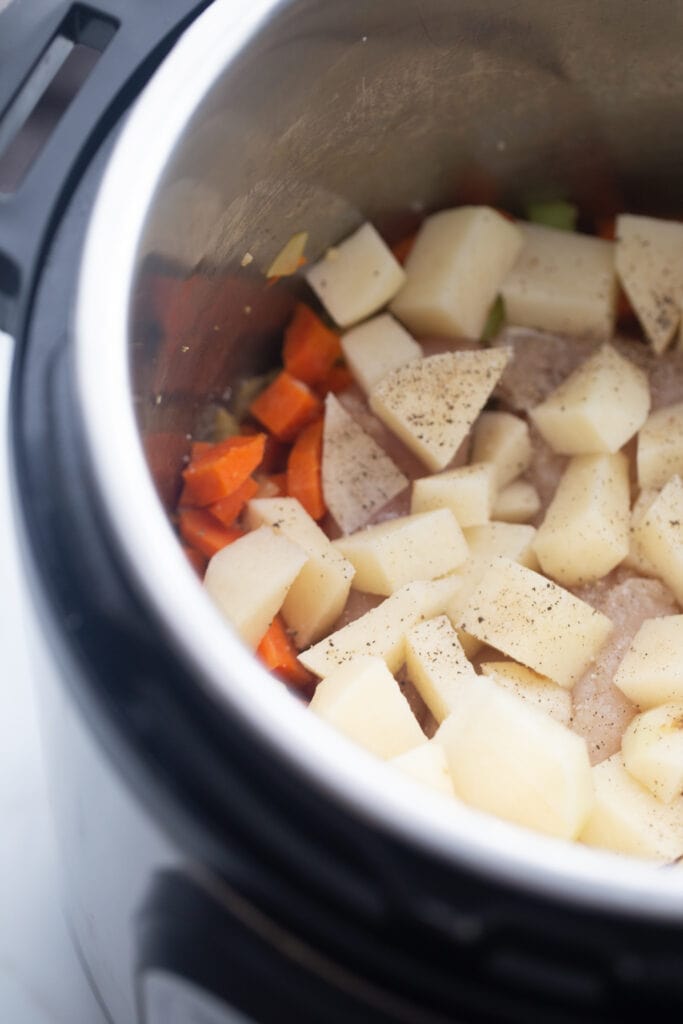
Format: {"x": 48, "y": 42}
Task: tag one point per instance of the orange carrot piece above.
{"x": 277, "y": 652}
{"x": 199, "y": 448}
{"x": 304, "y": 477}
{"x": 196, "y": 559}
{"x": 310, "y": 349}
{"x": 607, "y": 228}
{"x": 401, "y": 249}
{"x": 285, "y": 406}
{"x": 338, "y": 379}
{"x": 221, "y": 470}
{"x": 227, "y": 509}
{"x": 202, "y": 531}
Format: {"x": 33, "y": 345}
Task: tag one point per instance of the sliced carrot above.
{"x": 196, "y": 559}
{"x": 310, "y": 348}
{"x": 199, "y": 448}
{"x": 285, "y": 406}
{"x": 304, "y": 470}
{"x": 278, "y": 653}
{"x": 401, "y": 249}
{"x": 220, "y": 471}
{"x": 338, "y": 379}
{"x": 202, "y": 531}
{"x": 227, "y": 509}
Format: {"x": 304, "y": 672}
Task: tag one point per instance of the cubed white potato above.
{"x": 636, "y": 558}
{"x": 437, "y": 665}
{"x": 585, "y": 532}
{"x": 509, "y": 759}
{"x": 502, "y": 440}
{"x": 377, "y": 347}
{"x": 540, "y": 692}
{"x": 659, "y": 536}
{"x": 363, "y": 700}
{"x": 563, "y": 282}
{"x": 427, "y": 765}
{"x": 652, "y": 747}
{"x": 382, "y": 630}
{"x": 467, "y": 491}
{"x": 649, "y": 262}
{"x": 627, "y": 818}
{"x": 454, "y": 271}
{"x": 358, "y": 476}
{"x": 651, "y": 671}
{"x": 249, "y": 580}
{"x": 317, "y": 597}
{"x": 598, "y": 408}
{"x": 660, "y": 447}
{"x": 431, "y": 404}
{"x": 518, "y": 502}
{"x": 416, "y": 547}
{"x": 356, "y": 278}
{"x": 533, "y": 620}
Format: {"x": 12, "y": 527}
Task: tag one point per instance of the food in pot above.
{"x": 466, "y": 553}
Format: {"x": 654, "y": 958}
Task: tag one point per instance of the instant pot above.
{"x": 226, "y": 857}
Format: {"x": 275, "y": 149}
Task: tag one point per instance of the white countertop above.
{"x": 41, "y": 981}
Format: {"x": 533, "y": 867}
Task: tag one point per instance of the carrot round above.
{"x": 202, "y": 531}
{"x": 304, "y": 470}
{"x": 338, "y": 379}
{"x": 310, "y": 348}
{"x": 220, "y": 471}
{"x": 277, "y": 652}
{"x": 285, "y": 406}
{"x": 227, "y": 509}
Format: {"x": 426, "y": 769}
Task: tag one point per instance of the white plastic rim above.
{"x": 277, "y": 720}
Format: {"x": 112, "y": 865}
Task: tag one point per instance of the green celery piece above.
{"x": 556, "y": 214}
{"x": 494, "y": 321}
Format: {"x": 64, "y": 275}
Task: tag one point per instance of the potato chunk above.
{"x": 417, "y": 547}
{"x": 660, "y": 446}
{"x": 585, "y": 533}
{"x": 598, "y": 408}
{"x": 659, "y": 536}
{"x": 467, "y": 491}
{"x": 541, "y": 693}
{"x": 377, "y": 347}
{"x": 249, "y": 580}
{"x": 651, "y": 672}
{"x": 653, "y": 750}
{"x": 509, "y": 759}
{"x": 382, "y": 630}
{"x": 534, "y": 621}
{"x": 649, "y": 257}
{"x": 502, "y": 440}
{"x": 626, "y": 818}
{"x": 358, "y": 476}
{"x": 317, "y": 597}
{"x": 636, "y": 558}
{"x": 432, "y": 403}
{"x": 363, "y": 700}
{"x": 357, "y": 277}
{"x": 427, "y": 764}
{"x": 563, "y": 282}
{"x": 454, "y": 271}
{"x": 518, "y": 502}
{"x": 437, "y": 665}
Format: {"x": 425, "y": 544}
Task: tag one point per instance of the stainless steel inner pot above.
{"x": 272, "y": 117}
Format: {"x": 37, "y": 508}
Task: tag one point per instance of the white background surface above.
{"x": 41, "y": 981}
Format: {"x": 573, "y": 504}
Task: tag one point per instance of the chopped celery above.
{"x": 494, "y": 321}
{"x": 225, "y": 425}
{"x": 556, "y": 214}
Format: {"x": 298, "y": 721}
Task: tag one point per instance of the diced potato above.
{"x": 652, "y": 747}
{"x": 437, "y": 666}
{"x": 357, "y": 277}
{"x": 363, "y": 700}
{"x": 417, "y": 547}
{"x": 660, "y": 446}
{"x": 635, "y": 558}
{"x": 454, "y": 271}
{"x": 598, "y": 408}
{"x": 358, "y": 476}
{"x": 502, "y": 440}
{"x": 317, "y": 597}
{"x": 649, "y": 257}
{"x": 382, "y": 630}
{"x": 585, "y": 533}
{"x": 532, "y": 620}
{"x": 249, "y": 580}
{"x": 660, "y": 536}
{"x": 377, "y": 347}
{"x": 432, "y": 403}
{"x": 541, "y": 693}
{"x": 626, "y": 818}
{"x": 651, "y": 672}
{"x": 563, "y": 282}
{"x": 427, "y": 764}
{"x": 468, "y": 492}
{"x": 517, "y": 503}
{"x": 509, "y": 759}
